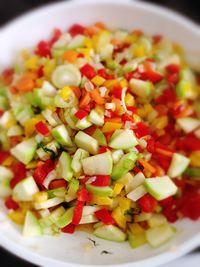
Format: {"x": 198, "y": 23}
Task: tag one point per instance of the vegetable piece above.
{"x": 122, "y": 139}
{"x": 100, "y": 164}
{"x": 100, "y": 190}
{"x": 52, "y": 202}
{"x": 178, "y": 165}
{"x": 157, "y": 220}
{"x": 156, "y": 236}
{"x": 69, "y": 229}
{"x": 11, "y": 204}
{"x": 134, "y": 181}
{"x": 86, "y": 142}
{"x": 83, "y": 195}
{"x": 65, "y": 75}
{"x": 100, "y": 137}
{"x": 73, "y": 187}
{"x": 62, "y": 136}
{"x": 80, "y": 114}
{"x": 89, "y": 219}
{"x": 147, "y": 203}
{"x": 25, "y": 150}
{"x": 63, "y": 168}
{"x": 188, "y": 124}
{"x": 102, "y": 180}
{"x": 78, "y": 210}
{"x": 193, "y": 172}
{"x": 160, "y": 187}
{"x": 96, "y": 117}
{"x": 25, "y": 190}
{"x": 104, "y": 216}
{"x": 125, "y": 164}
{"x": 142, "y": 217}
{"x": 66, "y": 218}
{"x": 119, "y": 216}
{"x": 79, "y": 155}
{"x": 111, "y": 126}
{"x": 42, "y": 128}
{"x": 42, "y": 171}
{"x": 95, "y": 95}
{"x": 83, "y": 124}
{"x": 141, "y": 88}
{"x": 116, "y": 155}
{"x": 137, "y": 240}
{"x": 110, "y": 232}
{"x": 32, "y": 227}
{"x": 88, "y": 71}
{"x": 5, "y": 177}
{"x": 137, "y": 193}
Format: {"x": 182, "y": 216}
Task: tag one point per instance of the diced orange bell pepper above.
{"x": 27, "y": 82}
{"x": 111, "y": 127}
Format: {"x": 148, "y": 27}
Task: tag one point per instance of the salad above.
{"x": 100, "y": 131}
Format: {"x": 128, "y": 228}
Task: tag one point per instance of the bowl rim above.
{"x": 164, "y": 257}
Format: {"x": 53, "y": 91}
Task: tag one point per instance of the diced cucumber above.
{"x": 66, "y": 218}
{"x": 137, "y": 193}
{"x": 125, "y": 164}
{"x": 185, "y": 89}
{"x": 52, "y": 202}
{"x": 88, "y": 219}
{"x": 47, "y": 151}
{"x": 65, "y": 75}
{"x": 83, "y": 124}
{"x": 56, "y": 214}
{"x": 141, "y": 88}
{"x": 76, "y": 42}
{"x": 48, "y": 89}
{"x": 62, "y": 136}
{"x": 136, "y": 241}
{"x": 58, "y": 192}
{"x": 136, "y": 181}
{"x": 160, "y": 187}
{"x": 3, "y": 103}
{"x": 63, "y": 168}
{"x": 142, "y": 217}
{"x": 62, "y": 42}
{"x": 100, "y": 190}
{"x": 32, "y": 227}
{"x": 116, "y": 155}
{"x": 51, "y": 117}
{"x": 99, "y": 164}
{"x": 5, "y": 174}
{"x": 15, "y": 130}
{"x": 5, "y": 189}
{"x": 123, "y": 139}
{"x": 73, "y": 187}
{"x": 25, "y": 150}
{"x": 100, "y": 137}
{"x": 70, "y": 118}
{"x": 110, "y": 232}
{"x": 193, "y": 172}
{"x": 157, "y": 220}
{"x": 158, "y": 235}
{"x": 22, "y": 114}
{"x": 25, "y": 189}
{"x": 188, "y": 124}
{"x": 79, "y": 155}
{"x": 86, "y": 142}
{"x": 96, "y": 117}
{"x": 6, "y": 118}
{"x": 178, "y": 165}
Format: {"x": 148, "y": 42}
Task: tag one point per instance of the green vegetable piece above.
{"x": 100, "y": 190}
{"x": 123, "y": 139}
{"x": 32, "y": 227}
{"x": 66, "y": 218}
{"x": 141, "y": 88}
{"x": 79, "y": 155}
{"x": 86, "y": 142}
{"x": 96, "y": 118}
{"x": 110, "y": 232}
{"x": 193, "y": 172}
{"x": 178, "y": 165}
{"x": 63, "y": 168}
{"x": 136, "y": 240}
{"x": 100, "y": 137}
{"x": 62, "y": 136}
{"x": 73, "y": 187}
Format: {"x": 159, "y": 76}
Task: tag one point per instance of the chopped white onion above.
{"x": 102, "y": 90}
{"x": 91, "y": 180}
{"x": 128, "y": 125}
{"x": 142, "y": 142}
{"x": 123, "y": 101}
{"x": 50, "y": 177}
{"x": 88, "y": 86}
{"x": 111, "y": 106}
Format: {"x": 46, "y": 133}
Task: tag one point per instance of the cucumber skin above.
{"x": 110, "y": 232}
{"x": 63, "y": 168}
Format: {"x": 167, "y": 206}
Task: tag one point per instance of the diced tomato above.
{"x": 41, "y": 171}
{"x": 11, "y": 204}
{"x": 104, "y": 216}
{"x": 76, "y": 29}
{"x": 19, "y": 171}
{"x": 69, "y": 229}
{"x": 43, "y": 49}
{"x": 7, "y": 76}
{"x": 147, "y": 203}
{"x": 58, "y": 183}
{"x": 117, "y": 91}
{"x": 78, "y": 211}
{"x": 3, "y": 155}
{"x": 80, "y": 114}
{"x": 103, "y": 149}
{"x": 141, "y": 129}
{"x": 102, "y": 180}
{"x": 42, "y": 128}
{"x": 83, "y": 195}
{"x": 173, "y": 68}
{"x": 88, "y": 71}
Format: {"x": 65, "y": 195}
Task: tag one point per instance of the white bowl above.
{"x": 76, "y": 250}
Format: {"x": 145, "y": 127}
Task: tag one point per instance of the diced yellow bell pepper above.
{"x": 25, "y": 206}
{"x": 65, "y": 92}
{"x": 160, "y": 123}
{"x": 125, "y": 179}
{"x": 129, "y": 100}
{"x": 111, "y": 127}
{"x": 100, "y": 200}
{"x": 32, "y": 63}
{"x": 117, "y": 189}
{"x": 49, "y": 68}
{"x": 86, "y": 52}
{"x": 39, "y": 82}
{"x": 88, "y": 42}
{"x": 136, "y": 118}
{"x": 124, "y": 203}
{"x": 119, "y": 217}
{"x": 31, "y": 165}
{"x": 40, "y": 196}
{"x": 8, "y": 162}
{"x": 17, "y": 217}
{"x": 139, "y": 51}
{"x": 29, "y": 125}
{"x": 195, "y": 159}
{"x": 136, "y": 228}
{"x": 123, "y": 83}
{"x": 131, "y": 39}
{"x": 110, "y": 83}
{"x": 10, "y": 123}
{"x": 98, "y": 80}
{"x": 25, "y": 54}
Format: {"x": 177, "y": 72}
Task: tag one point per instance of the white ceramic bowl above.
{"x": 76, "y": 250}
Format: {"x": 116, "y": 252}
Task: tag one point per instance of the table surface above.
{"x": 12, "y": 8}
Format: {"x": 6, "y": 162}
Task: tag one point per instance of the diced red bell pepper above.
{"x": 132, "y": 109}
{"x": 3, "y": 155}
{"x": 139, "y": 148}
{"x": 102, "y": 180}
{"x": 19, "y": 171}
{"x": 41, "y": 172}
{"x": 78, "y": 211}
{"x": 137, "y": 169}
{"x": 173, "y": 78}
{"x": 43, "y": 49}
{"x": 104, "y": 216}
{"x": 151, "y": 145}
{"x": 126, "y": 117}
{"x": 167, "y": 96}
{"x": 80, "y": 114}
{"x": 42, "y": 128}
{"x": 84, "y": 180}
{"x": 7, "y": 76}
{"x": 56, "y": 35}
{"x": 83, "y": 195}
{"x": 103, "y": 149}
{"x": 173, "y": 68}
{"x": 89, "y": 107}
{"x": 90, "y": 130}
{"x": 88, "y": 71}
{"x": 188, "y": 143}
{"x": 105, "y": 75}
{"x": 152, "y": 76}
{"x": 1, "y": 113}
{"x": 147, "y": 203}
{"x": 171, "y": 214}
{"x": 40, "y": 71}
{"x": 141, "y": 129}
{"x": 76, "y": 29}
{"x": 157, "y": 38}
{"x": 69, "y": 229}
{"x": 167, "y": 202}
{"x": 58, "y": 183}
{"x": 11, "y": 204}
{"x": 117, "y": 91}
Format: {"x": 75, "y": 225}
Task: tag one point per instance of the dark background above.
{"x": 11, "y": 8}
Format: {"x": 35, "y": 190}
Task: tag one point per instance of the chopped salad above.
{"x": 100, "y": 131}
